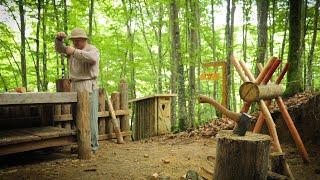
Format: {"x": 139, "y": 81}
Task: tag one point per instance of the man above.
{"x": 83, "y": 71}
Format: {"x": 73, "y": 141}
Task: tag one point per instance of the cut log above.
{"x": 251, "y": 92}
{"x": 102, "y": 107}
{"x": 124, "y": 120}
{"x": 242, "y": 157}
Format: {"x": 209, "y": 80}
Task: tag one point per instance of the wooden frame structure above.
{"x": 223, "y": 66}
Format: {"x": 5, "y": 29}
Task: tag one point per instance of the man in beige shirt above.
{"x": 83, "y": 71}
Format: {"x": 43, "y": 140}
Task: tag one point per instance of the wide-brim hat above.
{"x": 78, "y": 33}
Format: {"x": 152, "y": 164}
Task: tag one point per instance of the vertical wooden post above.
{"x": 64, "y": 85}
{"x": 102, "y": 107}
{"x": 124, "y": 120}
{"x": 83, "y": 125}
{"x": 115, "y": 100}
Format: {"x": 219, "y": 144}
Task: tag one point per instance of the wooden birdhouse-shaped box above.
{"x": 151, "y": 116}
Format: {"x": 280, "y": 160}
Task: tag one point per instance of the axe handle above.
{"x": 232, "y": 115}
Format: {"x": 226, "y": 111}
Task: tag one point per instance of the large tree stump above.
{"x": 242, "y": 157}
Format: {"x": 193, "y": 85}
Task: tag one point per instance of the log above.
{"x": 102, "y": 107}
{"x": 83, "y": 126}
{"x": 241, "y": 157}
{"x": 114, "y": 121}
{"x": 251, "y": 92}
{"x": 124, "y": 120}
{"x": 64, "y": 85}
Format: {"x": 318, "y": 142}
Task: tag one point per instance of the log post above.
{"x": 102, "y": 107}
{"x": 124, "y": 120}
{"x": 64, "y": 85}
{"x": 83, "y": 125}
{"x": 242, "y": 157}
{"x": 115, "y": 100}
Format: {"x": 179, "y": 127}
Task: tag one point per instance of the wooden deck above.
{"x": 20, "y": 140}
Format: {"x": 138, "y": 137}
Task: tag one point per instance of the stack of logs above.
{"x": 63, "y": 112}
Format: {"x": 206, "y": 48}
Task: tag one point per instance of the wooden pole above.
{"x": 83, "y": 126}
{"x": 64, "y": 85}
{"x": 242, "y": 157}
{"x": 114, "y": 121}
{"x": 124, "y": 105}
{"x": 293, "y": 130}
{"x": 268, "y": 117}
{"x": 102, "y": 107}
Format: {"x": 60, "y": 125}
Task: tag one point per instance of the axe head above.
{"x": 243, "y": 124}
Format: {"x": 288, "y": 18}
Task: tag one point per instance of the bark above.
{"x": 90, "y": 18}
{"x": 160, "y": 55}
{"x": 313, "y": 44}
{"x": 303, "y": 35}
{"x": 39, "y": 2}
{"x": 193, "y": 54}
{"x": 65, "y": 29}
{"x": 245, "y": 10}
{"x": 5, "y": 87}
{"x": 262, "y": 8}
{"x": 214, "y": 53}
{"x": 23, "y": 44}
{"x": 233, "y": 90}
{"x": 272, "y": 27}
{"x": 283, "y": 44}
{"x": 229, "y": 47}
{"x": 55, "y": 10}
{"x": 44, "y": 57}
{"x": 294, "y": 76}
{"x": 177, "y": 69}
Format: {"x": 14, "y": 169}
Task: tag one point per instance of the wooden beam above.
{"x": 37, "y": 98}
{"x": 27, "y": 146}
{"x": 113, "y": 135}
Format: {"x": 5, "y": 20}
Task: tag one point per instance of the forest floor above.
{"x": 169, "y": 156}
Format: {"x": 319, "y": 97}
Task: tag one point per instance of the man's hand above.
{"x": 70, "y": 50}
{"x": 61, "y": 35}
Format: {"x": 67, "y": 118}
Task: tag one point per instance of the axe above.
{"x": 243, "y": 119}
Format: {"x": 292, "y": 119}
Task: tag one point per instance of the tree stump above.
{"x": 242, "y": 157}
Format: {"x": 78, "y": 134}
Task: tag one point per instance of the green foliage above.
{"x": 110, "y": 36}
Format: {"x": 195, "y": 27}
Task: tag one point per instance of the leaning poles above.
{"x": 287, "y": 118}
{"x": 263, "y": 78}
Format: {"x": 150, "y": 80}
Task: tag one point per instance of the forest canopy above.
{"x": 160, "y": 46}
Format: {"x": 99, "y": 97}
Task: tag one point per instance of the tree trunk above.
{"x": 262, "y": 8}
{"x": 65, "y": 71}
{"x": 160, "y": 55}
{"x": 234, "y": 102}
{"x": 245, "y": 10}
{"x": 44, "y": 57}
{"x": 90, "y": 19}
{"x": 39, "y": 2}
{"x": 229, "y": 53}
{"x": 272, "y": 21}
{"x": 55, "y": 10}
{"x": 23, "y": 44}
{"x": 313, "y": 44}
{"x": 177, "y": 69}
{"x": 303, "y": 45}
{"x": 214, "y": 51}
{"x": 294, "y": 76}
{"x": 193, "y": 54}
{"x": 283, "y": 44}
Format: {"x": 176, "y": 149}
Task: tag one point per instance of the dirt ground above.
{"x": 170, "y": 156}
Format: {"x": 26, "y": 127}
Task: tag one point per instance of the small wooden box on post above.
{"x": 152, "y": 116}
{"x": 242, "y": 157}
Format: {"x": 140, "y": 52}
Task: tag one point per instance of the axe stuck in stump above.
{"x": 242, "y": 119}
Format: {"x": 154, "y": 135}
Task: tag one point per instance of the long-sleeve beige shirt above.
{"x": 83, "y": 66}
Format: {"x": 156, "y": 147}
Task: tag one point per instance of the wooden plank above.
{"x": 117, "y": 112}
{"x": 63, "y": 117}
{"x": 15, "y": 136}
{"x": 27, "y": 146}
{"x": 49, "y": 132}
{"x": 152, "y": 96}
{"x": 37, "y": 98}
{"x": 113, "y": 135}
